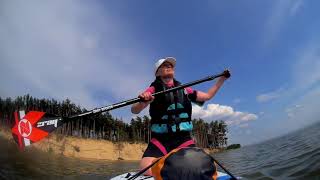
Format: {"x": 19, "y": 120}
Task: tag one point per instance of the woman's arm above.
{"x": 147, "y": 97}
{"x": 204, "y": 96}
{"x": 139, "y": 106}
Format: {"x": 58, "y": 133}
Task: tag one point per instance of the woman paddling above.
{"x": 171, "y": 112}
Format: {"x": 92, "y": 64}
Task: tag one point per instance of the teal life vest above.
{"x": 170, "y": 112}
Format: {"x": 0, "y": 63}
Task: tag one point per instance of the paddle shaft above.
{"x": 59, "y": 121}
{"x": 135, "y": 100}
{"x": 144, "y": 170}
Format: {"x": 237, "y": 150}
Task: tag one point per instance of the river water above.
{"x": 293, "y": 156}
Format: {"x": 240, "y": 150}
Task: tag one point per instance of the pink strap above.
{"x": 163, "y": 149}
{"x": 159, "y": 145}
{"x": 186, "y": 144}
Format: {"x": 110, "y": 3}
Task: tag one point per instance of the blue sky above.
{"x": 97, "y": 53}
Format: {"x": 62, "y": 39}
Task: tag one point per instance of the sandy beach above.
{"x": 88, "y": 148}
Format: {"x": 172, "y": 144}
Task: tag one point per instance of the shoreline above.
{"x": 90, "y": 149}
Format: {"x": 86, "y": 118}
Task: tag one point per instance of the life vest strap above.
{"x": 187, "y": 143}
{"x": 163, "y": 149}
{"x": 159, "y": 146}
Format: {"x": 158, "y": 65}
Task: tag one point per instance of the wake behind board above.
{"x": 221, "y": 176}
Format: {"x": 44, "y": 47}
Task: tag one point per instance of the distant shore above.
{"x": 89, "y": 148}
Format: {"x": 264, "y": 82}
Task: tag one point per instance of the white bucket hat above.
{"x": 171, "y": 60}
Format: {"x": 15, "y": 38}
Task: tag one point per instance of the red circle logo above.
{"x": 25, "y": 128}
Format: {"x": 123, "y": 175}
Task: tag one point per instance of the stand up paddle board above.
{"x": 221, "y": 176}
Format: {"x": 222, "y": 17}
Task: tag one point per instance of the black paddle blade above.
{"x": 34, "y": 126}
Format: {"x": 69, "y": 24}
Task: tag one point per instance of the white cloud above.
{"x": 292, "y": 111}
{"x": 69, "y": 49}
{"x": 305, "y": 70}
{"x": 305, "y": 109}
{"x": 220, "y": 112}
{"x": 304, "y": 92}
{"x": 305, "y": 77}
{"x": 280, "y": 12}
{"x": 265, "y": 97}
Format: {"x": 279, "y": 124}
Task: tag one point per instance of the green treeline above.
{"x": 104, "y": 125}
{"x": 234, "y": 146}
